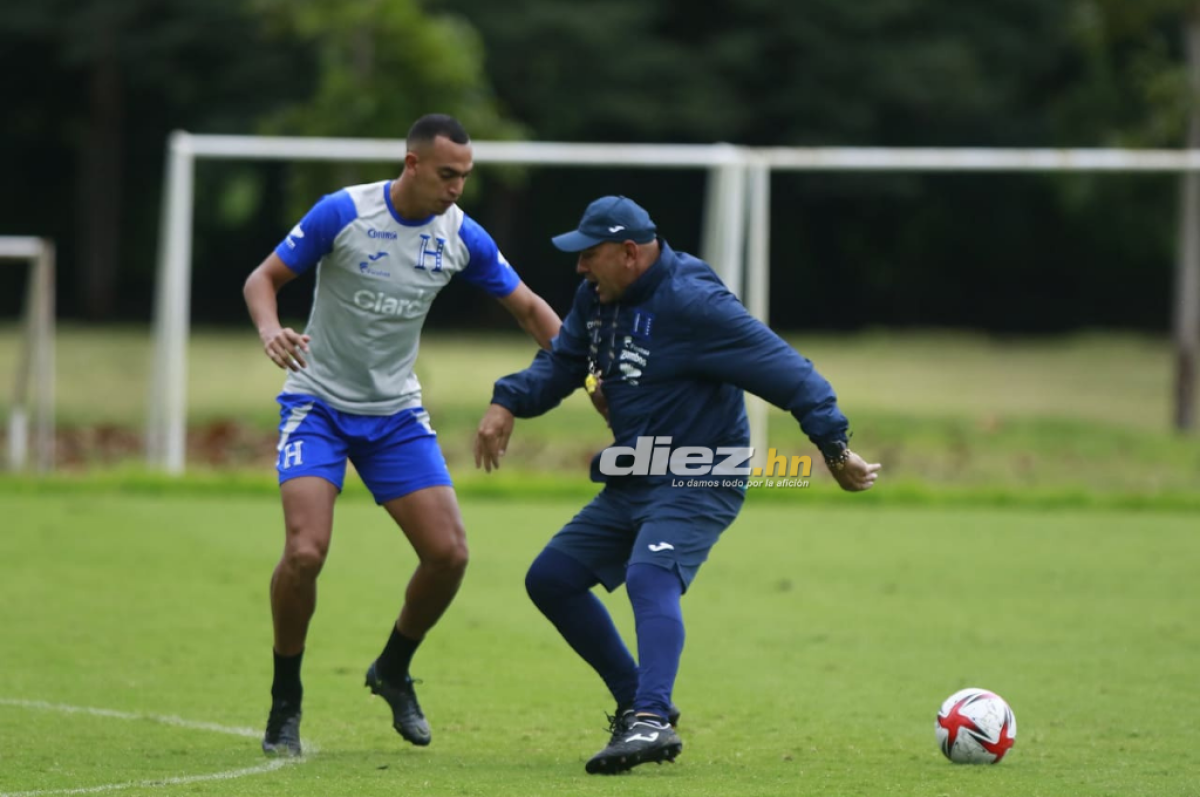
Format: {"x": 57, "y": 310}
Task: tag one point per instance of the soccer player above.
{"x": 381, "y": 252}
{"x": 670, "y": 350}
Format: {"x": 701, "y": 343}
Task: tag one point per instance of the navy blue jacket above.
{"x": 675, "y": 353}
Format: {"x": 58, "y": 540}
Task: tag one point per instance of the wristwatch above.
{"x": 836, "y": 454}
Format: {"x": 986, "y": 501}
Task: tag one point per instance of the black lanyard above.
{"x": 595, "y": 372}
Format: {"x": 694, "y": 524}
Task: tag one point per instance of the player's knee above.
{"x": 458, "y": 558}
{"x": 449, "y": 556}
{"x": 538, "y": 586}
{"x": 553, "y": 577}
{"x": 304, "y": 558}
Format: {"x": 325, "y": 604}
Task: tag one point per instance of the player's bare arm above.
{"x": 533, "y": 314}
{"x": 491, "y": 439}
{"x": 283, "y": 345}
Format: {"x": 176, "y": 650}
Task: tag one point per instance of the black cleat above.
{"x": 407, "y": 718}
{"x": 673, "y": 714}
{"x": 283, "y": 729}
{"x": 635, "y": 740}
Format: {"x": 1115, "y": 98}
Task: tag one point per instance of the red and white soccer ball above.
{"x": 975, "y": 726}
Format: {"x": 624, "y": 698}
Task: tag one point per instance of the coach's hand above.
{"x": 856, "y": 474}
{"x": 491, "y": 439}
{"x": 285, "y": 347}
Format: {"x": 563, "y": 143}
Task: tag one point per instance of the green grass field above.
{"x": 822, "y": 638}
{"x": 1024, "y": 419}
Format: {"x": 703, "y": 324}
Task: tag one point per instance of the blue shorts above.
{"x": 393, "y": 454}
{"x": 660, "y": 525}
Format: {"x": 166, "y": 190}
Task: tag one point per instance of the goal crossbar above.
{"x": 977, "y": 159}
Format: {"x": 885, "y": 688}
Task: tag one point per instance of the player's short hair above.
{"x": 432, "y": 125}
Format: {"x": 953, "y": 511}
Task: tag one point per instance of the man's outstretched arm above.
{"x": 553, "y": 375}
{"x": 533, "y": 314}
{"x": 733, "y": 346}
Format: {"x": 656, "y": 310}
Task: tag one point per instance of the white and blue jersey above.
{"x": 377, "y": 275}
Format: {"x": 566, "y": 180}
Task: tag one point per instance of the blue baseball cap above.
{"x": 609, "y": 218}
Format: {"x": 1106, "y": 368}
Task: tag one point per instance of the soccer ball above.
{"x": 975, "y": 726}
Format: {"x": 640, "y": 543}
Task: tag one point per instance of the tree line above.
{"x": 95, "y": 86}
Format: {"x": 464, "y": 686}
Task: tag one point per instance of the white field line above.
{"x": 178, "y": 722}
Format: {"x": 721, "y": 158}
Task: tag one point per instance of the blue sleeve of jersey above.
{"x": 735, "y": 347}
{"x": 486, "y": 268}
{"x": 552, "y": 376}
{"x": 312, "y": 238}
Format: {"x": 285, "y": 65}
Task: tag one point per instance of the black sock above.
{"x": 287, "y": 686}
{"x": 396, "y": 657}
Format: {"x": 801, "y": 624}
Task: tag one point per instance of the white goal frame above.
{"x": 34, "y": 382}
{"x": 735, "y": 241}
{"x": 166, "y": 434}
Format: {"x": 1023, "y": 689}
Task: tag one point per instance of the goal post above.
{"x": 166, "y": 432}
{"x": 33, "y": 387}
